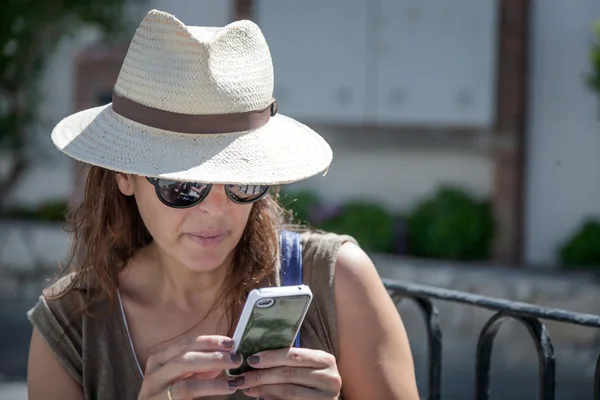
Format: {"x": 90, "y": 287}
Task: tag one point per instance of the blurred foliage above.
{"x": 451, "y": 225}
{"x": 370, "y": 224}
{"x": 30, "y": 32}
{"x": 582, "y": 249}
{"x": 593, "y": 79}
{"x": 302, "y": 204}
{"x": 51, "y": 211}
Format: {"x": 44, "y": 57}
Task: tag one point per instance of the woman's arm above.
{"x": 375, "y": 360}
{"x": 46, "y": 377}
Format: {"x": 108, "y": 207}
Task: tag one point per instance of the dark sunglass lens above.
{"x": 246, "y": 193}
{"x": 181, "y": 194}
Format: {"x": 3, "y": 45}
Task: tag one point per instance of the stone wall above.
{"x": 30, "y": 254}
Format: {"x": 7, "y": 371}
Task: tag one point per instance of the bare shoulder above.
{"x": 375, "y": 359}
{"x": 355, "y": 271}
{"x": 353, "y": 260}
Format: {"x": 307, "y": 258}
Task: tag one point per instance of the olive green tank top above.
{"x": 98, "y": 353}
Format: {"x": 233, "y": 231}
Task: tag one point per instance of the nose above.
{"x": 216, "y": 202}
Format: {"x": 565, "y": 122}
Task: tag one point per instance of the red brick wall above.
{"x": 242, "y": 10}
{"x": 96, "y": 71}
{"x": 509, "y": 143}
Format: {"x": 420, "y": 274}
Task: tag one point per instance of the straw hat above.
{"x": 195, "y": 104}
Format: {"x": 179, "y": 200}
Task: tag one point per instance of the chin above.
{"x": 203, "y": 255}
{"x": 206, "y": 262}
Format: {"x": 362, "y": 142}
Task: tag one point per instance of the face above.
{"x": 202, "y": 236}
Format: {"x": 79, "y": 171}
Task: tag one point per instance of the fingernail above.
{"x": 253, "y": 360}
{"x": 236, "y": 382}
{"x": 227, "y": 343}
{"x": 235, "y": 357}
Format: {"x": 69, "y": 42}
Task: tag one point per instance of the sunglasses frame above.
{"x": 154, "y": 182}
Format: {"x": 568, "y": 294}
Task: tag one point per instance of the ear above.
{"x": 126, "y": 184}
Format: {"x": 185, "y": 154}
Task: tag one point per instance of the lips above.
{"x": 208, "y": 235}
{"x": 207, "y": 238}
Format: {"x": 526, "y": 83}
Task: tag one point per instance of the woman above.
{"x": 162, "y": 263}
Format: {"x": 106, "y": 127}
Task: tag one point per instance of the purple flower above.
{"x": 325, "y": 212}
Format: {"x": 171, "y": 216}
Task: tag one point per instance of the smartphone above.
{"x": 271, "y": 320}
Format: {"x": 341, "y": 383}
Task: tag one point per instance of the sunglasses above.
{"x": 176, "y": 194}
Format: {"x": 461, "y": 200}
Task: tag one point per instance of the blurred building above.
{"x": 488, "y": 95}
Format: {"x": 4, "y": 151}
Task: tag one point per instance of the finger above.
{"x": 196, "y": 363}
{"x": 286, "y": 392}
{"x": 293, "y": 357}
{"x": 326, "y": 380}
{"x": 187, "y": 344}
{"x": 194, "y": 388}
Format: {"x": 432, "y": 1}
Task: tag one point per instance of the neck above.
{"x": 186, "y": 290}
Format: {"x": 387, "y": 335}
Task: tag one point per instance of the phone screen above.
{"x": 271, "y": 328}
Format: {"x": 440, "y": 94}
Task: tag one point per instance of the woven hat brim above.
{"x": 282, "y": 151}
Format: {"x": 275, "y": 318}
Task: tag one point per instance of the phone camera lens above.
{"x": 265, "y": 303}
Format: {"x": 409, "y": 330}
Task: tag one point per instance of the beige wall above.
{"x": 398, "y": 169}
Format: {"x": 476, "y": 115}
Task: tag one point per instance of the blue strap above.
{"x": 291, "y": 263}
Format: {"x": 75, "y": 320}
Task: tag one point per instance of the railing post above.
{"x": 433, "y": 326}
{"x": 543, "y": 345}
{"x": 434, "y": 340}
{"x": 597, "y": 381}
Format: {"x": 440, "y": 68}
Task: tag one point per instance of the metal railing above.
{"x": 528, "y": 314}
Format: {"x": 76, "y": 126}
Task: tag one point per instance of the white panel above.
{"x": 319, "y": 54}
{"x": 563, "y": 139}
{"x": 436, "y": 61}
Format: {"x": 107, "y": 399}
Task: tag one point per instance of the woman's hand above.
{"x": 292, "y": 374}
{"x": 191, "y": 368}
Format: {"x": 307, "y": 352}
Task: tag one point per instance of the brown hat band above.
{"x": 186, "y": 123}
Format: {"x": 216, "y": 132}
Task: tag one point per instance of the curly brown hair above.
{"x": 108, "y": 230}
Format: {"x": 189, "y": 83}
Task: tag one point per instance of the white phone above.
{"x": 271, "y": 320}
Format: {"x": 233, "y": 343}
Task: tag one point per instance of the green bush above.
{"x": 451, "y": 225}
{"x": 51, "y": 211}
{"x": 582, "y": 249}
{"x": 301, "y": 204}
{"x": 593, "y": 79}
{"x": 370, "y": 224}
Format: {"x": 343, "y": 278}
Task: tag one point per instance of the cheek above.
{"x": 240, "y": 214}
{"x": 161, "y": 221}
{"x": 237, "y": 219}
